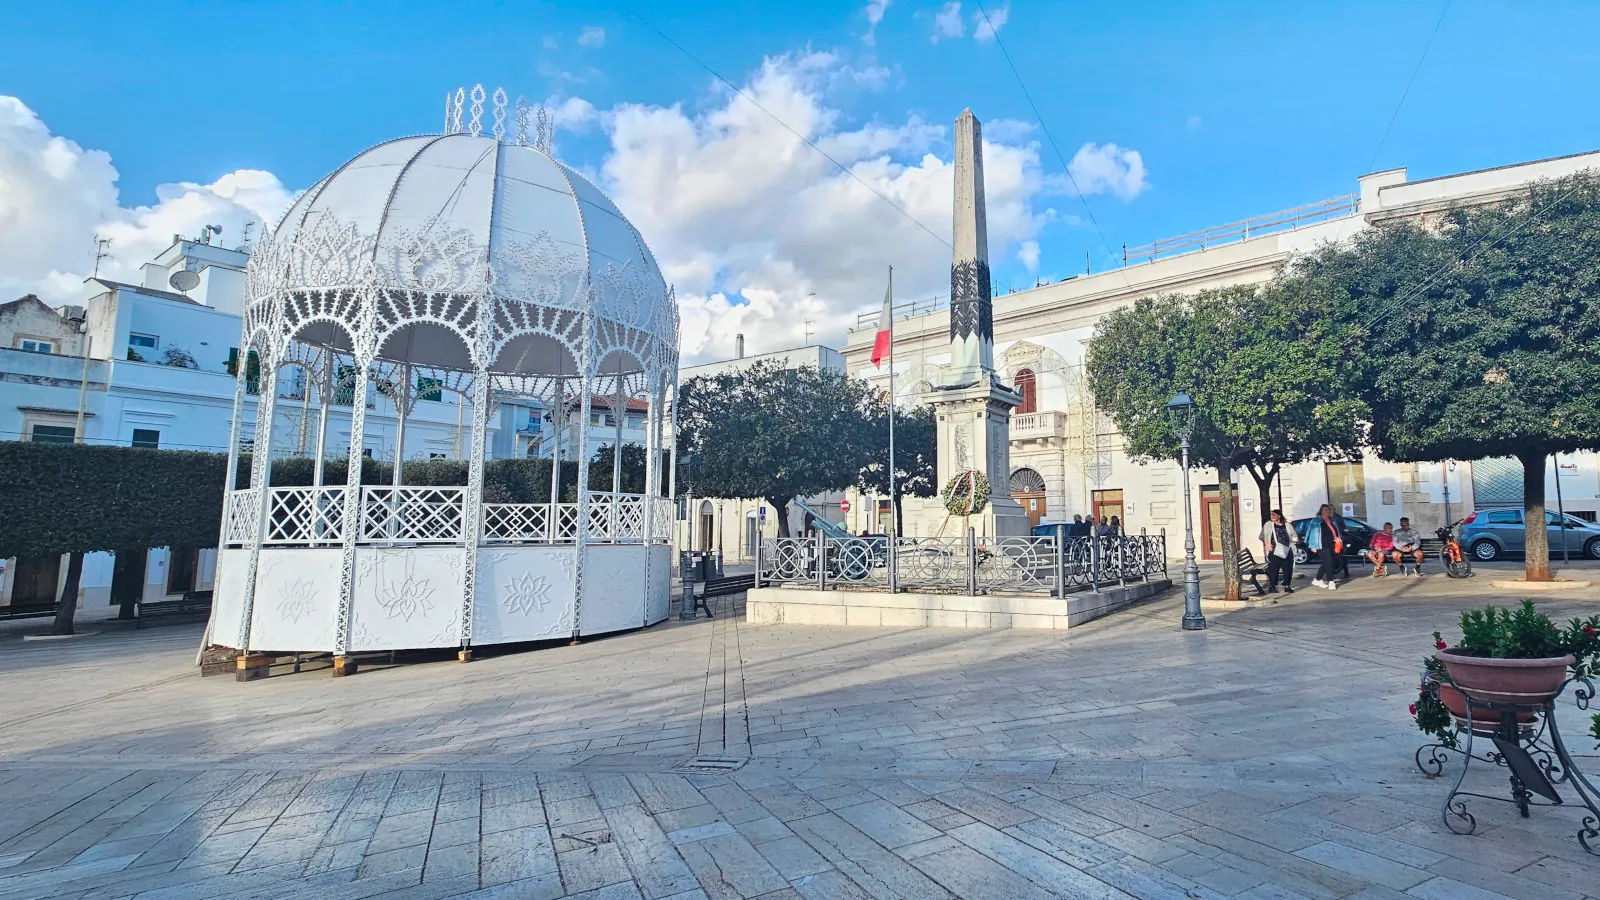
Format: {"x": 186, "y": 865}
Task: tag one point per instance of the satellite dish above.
{"x": 184, "y": 280}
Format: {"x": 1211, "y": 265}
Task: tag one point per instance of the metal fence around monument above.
{"x": 1041, "y": 564}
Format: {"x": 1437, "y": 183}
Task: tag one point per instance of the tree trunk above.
{"x": 127, "y": 580}
{"x": 69, "y": 596}
{"x": 1537, "y": 558}
{"x": 780, "y": 508}
{"x": 1263, "y": 476}
{"x": 1230, "y": 533}
{"x": 899, "y": 515}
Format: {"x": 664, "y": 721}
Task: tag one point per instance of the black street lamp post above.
{"x": 1181, "y": 407}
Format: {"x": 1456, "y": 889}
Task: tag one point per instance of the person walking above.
{"x": 1327, "y": 539}
{"x": 1278, "y": 540}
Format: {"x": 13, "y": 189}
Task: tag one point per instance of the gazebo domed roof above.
{"x": 499, "y": 193}
{"x": 446, "y": 228}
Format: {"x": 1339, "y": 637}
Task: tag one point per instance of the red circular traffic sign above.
{"x": 844, "y": 505}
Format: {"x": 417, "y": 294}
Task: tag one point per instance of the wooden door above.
{"x": 1032, "y": 504}
{"x": 36, "y": 581}
{"x": 1211, "y": 520}
{"x": 1108, "y": 503}
{"x": 182, "y": 564}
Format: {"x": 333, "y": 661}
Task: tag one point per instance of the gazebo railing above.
{"x": 412, "y": 515}
{"x": 314, "y": 516}
{"x": 304, "y": 515}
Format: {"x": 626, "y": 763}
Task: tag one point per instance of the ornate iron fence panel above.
{"x": 788, "y": 560}
{"x": 1017, "y": 564}
{"x": 860, "y": 562}
{"x": 931, "y": 564}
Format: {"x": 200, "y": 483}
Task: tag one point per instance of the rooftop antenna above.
{"x": 248, "y": 228}
{"x": 100, "y": 252}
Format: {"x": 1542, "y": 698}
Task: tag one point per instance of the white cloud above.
{"x": 55, "y": 196}
{"x": 875, "y": 10}
{"x": 1028, "y": 254}
{"x": 982, "y": 30}
{"x": 572, "y": 112}
{"x": 592, "y": 36}
{"x": 947, "y": 23}
{"x": 1108, "y": 169}
{"x": 550, "y": 43}
{"x": 1193, "y": 123}
{"x": 760, "y": 234}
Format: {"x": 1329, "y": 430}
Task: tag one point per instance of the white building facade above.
{"x": 1068, "y": 459}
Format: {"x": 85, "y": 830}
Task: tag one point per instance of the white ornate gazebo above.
{"x": 470, "y": 262}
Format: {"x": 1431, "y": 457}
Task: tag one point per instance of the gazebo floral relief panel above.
{"x": 407, "y": 598}
{"x": 614, "y": 588}
{"x": 523, "y": 594}
{"x": 297, "y": 599}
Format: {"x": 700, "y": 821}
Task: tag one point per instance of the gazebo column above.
{"x": 325, "y": 387}
{"x": 342, "y": 663}
{"x": 619, "y": 408}
{"x": 652, "y": 475}
{"x": 252, "y": 666}
{"x": 402, "y": 406}
{"x": 585, "y": 387}
{"x": 558, "y": 414}
{"x": 230, "y": 482}
{"x": 472, "y": 506}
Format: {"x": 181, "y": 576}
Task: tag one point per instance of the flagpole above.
{"x": 894, "y": 513}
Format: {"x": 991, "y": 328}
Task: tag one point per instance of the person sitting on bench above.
{"x": 1381, "y": 549}
{"x": 1408, "y": 546}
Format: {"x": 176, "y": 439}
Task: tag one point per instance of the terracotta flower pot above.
{"x": 1525, "y": 681}
{"x": 1483, "y": 721}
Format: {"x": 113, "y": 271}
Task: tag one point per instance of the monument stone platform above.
{"x": 801, "y": 605}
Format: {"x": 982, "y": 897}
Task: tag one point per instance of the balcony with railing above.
{"x": 1038, "y": 426}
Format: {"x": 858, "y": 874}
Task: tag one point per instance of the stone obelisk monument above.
{"x": 972, "y": 409}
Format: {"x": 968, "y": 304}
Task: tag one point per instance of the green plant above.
{"x": 1429, "y": 712}
{"x": 1526, "y": 633}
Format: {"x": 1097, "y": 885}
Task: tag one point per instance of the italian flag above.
{"x": 885, "y": 337}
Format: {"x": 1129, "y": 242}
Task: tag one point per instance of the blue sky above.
{"x": 1234, "y": 108}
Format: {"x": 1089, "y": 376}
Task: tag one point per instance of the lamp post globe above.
{"x": 1181, "y": 408}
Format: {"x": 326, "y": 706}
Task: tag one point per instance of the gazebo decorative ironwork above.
{"x": 473, "y": 263}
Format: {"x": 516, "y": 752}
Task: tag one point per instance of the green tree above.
{"x": 775, "y": 433}
{"x": 1262, "y": 364}
{"x": 915, "y": 460}
{"x": 1483, "y": 334}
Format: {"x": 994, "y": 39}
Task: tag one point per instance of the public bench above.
{"x": 714, "y": 588}
{"x": 1249, "y": 568}
{"x": 194, "y": 603}
{"x": 28, "y": 610}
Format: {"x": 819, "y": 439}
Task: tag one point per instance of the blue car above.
{"x": 1489, "y": 534}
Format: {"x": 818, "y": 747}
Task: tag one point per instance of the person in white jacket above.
{"x": 1278, "y": 539}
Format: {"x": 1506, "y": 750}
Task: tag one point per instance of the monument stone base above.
{"x": 798, "y": 605}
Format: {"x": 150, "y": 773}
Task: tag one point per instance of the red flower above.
{"x": 1588, "y": 631}
{"x": 1442, "y": 645}
{"x": 1413, "y": 709}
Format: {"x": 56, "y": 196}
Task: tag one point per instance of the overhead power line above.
{"x": 1048, "y": 136}
{"x": 808, "y": 142}
{"x": 1409, "y": 82}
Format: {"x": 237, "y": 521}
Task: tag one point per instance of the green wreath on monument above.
{"x": 966, "y": 493}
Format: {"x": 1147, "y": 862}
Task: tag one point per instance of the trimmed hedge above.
{"x": 79, "y": 498}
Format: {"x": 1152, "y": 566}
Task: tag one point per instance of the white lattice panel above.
{"x": 523, "y": 594}
{"x": 529, "y": 522}
{"x": 297, "y": 599}
{"x": 407, "y": 598}
{"x": 412, "y": 514}
{"x": 227, "y": 598}
{"x": 659, "y": 599}
{"x": 239, "y": 523}
{"x": 613, "y": 588}
{"x": 302, "y": 515}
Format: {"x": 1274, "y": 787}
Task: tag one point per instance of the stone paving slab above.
{"x": 1267, "y": 757}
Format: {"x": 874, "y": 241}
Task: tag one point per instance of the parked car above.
{"x": 1490, "y": 533}
{"x": 1357, "y": 534}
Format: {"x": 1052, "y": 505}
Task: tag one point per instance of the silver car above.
{"x": 1489, "y": 533}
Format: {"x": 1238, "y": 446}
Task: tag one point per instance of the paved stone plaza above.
{"x": 1268, "y": 757}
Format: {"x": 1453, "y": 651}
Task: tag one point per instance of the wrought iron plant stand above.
{"x": 1532, "y": 751}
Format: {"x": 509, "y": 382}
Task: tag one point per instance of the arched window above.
{"x": 1025, "y": 387}
{"x": 1026, "y": 481}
